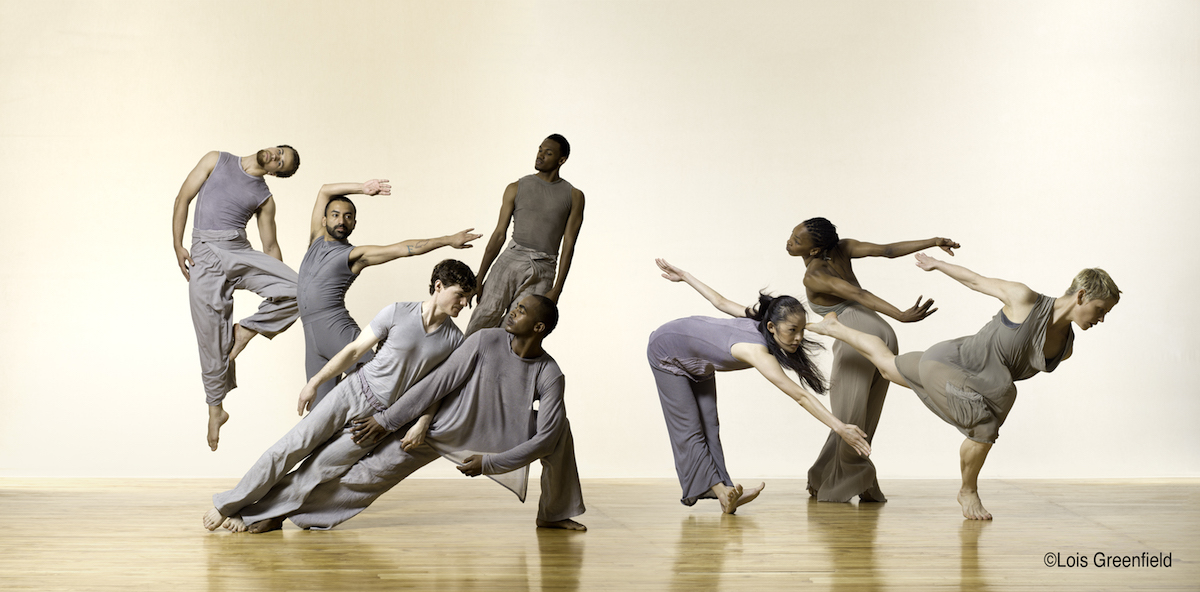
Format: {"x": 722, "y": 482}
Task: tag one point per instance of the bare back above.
{"x": 819, "y": 271}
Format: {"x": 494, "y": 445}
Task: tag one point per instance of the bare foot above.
{"x": 241, "y": 336}
{"x": 213, "y": 519}
{"x": 728, "y": 497}
{"x": 748, "y": 495}
{"x": 265, "y": 525}
{"x": 567, "y": 524}
{"x": 829, "y": 323}
{"x": 216, "y": 418}
{"x": 234, "y": 524}
{"x": 972, "y": 506}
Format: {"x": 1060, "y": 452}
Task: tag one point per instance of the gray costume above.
{"x": 685, "y": 354}
{"x": 325, "y": 276}
{"x": 224, "y": 261}
{"x": 487, "y": 395}
{"x": 968, "y": 382}
{"x": 526, "y": 266}
{"x": 406, "y": 354}
{"x": 856, "y": 394}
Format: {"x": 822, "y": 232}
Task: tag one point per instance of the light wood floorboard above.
{"x": 145, "y": 535}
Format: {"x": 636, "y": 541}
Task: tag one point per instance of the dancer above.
{"x": 545, "y": 211}
{"x": 501, "y": 408}
{"x": 230, "y": 190}
{"x": 332, "y": 264}
{"x": 857, "y": 390}
{"x": 968, "y": 382}
{"x": 415, "y": 336}
{"x": 685, "y": 353}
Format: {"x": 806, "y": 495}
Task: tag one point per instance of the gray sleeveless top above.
{"x": 229, "y": 196}
{"x": 540, "y": 213}
{"x": 696, "y": 347}
{"x": 325, "y": 276}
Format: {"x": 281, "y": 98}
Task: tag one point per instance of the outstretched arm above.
{"x": 574, "y": 223}
{"x": 723, "y": 304}
{"x": 328, "y": 190}
{"x": 768, "y": 366}
{"x": 183, "y": 201}
{"x": 856, "y": 249}
{"x": 266, "y": 229}
{"x": 366, "y": 256}
{"x": 496, "y": 242}
{"x": 336, "y": 366}
{"x": 825, "y": 283}
{"x": 1018, "y": 299}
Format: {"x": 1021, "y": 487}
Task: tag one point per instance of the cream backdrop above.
{"x": 1044, "y": 136}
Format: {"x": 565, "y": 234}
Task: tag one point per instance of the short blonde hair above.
{"x": 1096, "y": 284}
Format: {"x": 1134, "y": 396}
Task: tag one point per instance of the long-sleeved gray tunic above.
{"x": 488, "y": 393}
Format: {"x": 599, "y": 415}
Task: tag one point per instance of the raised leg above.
{"x": 972, "y": 454}
{"x": 870, "y": 346}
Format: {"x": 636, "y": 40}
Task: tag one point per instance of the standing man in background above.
{"x": 231, "y": 189}
{"x": 546, "y": 211}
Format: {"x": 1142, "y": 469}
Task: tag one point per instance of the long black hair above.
{"x": 776, "y": 309}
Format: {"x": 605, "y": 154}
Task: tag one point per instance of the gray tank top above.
{"x": 325, "y": 276}
{"x": 229, "y": 196}
{"x": 540, "y": 213}
{"x": 696, "y": 347}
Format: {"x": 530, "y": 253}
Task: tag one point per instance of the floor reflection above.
{"x": 704, "y": 545}
{"x": 356, "y": 560}
{"x": 847, "y": 532}
{"x": 561, "y": 556}
{"x": 971, "y": 575}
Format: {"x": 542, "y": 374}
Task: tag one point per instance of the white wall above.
{"x": 1044, "y": 136}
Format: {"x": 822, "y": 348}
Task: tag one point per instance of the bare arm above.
{"x": 1018, "y": 299}
{"x": 366, "y": 256}
{"x": 856, "y": 249}
{"x": 496, "y": 242}
{"x": 574, "y": 223}
{"x": 825, "y": 283}
{"x": 328, "y": 190}
{"x": 183, "y": 201}
{"x": 762, "y": 360}
{"x": 723, "y": 304}
{"x": 336, "y": 366}
{"x": 266, "y": 229}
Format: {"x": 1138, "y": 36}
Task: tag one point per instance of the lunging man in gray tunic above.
{"x": 332, "y": 264}
{"x": 969, "y": 381}
{"x": 546, "y": 211}
{"x": 230, "y": 190}
{"x": 501, "y": 408}
{"x": 415, "y": 336}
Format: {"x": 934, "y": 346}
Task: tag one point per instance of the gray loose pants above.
{"x": 224, "y": 261}
{"x": 518, "y": 272}
{"x": 334, "y": 502}
{"x": 323, "y": 436}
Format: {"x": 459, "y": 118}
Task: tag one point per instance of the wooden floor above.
{"x": 145, "y": 535}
